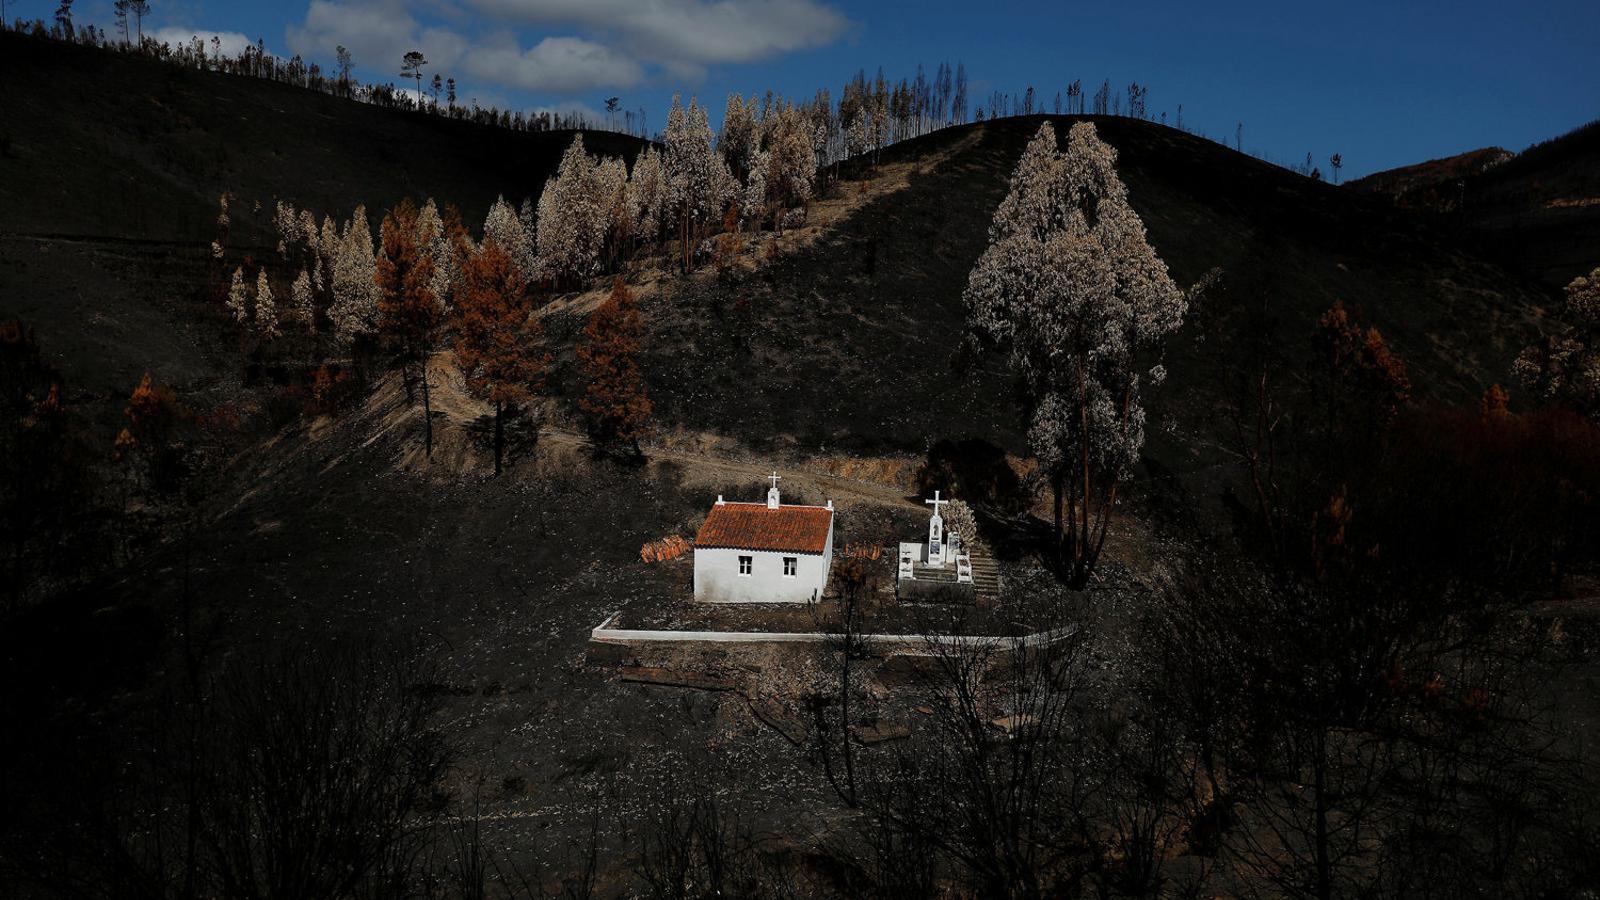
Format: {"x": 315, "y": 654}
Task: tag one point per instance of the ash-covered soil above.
{"x": 337, "y": 532}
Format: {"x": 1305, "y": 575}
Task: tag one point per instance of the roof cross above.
{"x": 774, "y": 478}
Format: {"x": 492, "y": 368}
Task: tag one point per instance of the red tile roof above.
{"x": 752, "y": 526}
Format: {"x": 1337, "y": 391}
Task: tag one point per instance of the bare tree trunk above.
{"x": 683, "y": 242}
{"x": 1057, "y": 489}
{"x": 1105, "y": 525}
{"x": 1324, "y": 869}
{"x": 427, "y": 410}
{"x": 499, "y": 434}
{"x": 1081, "y": 535}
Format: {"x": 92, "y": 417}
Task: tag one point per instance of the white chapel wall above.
{"x": 717, "y": 578}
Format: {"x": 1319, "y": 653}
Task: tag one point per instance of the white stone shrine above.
{"x": 763, "y": 552}
{"x": 940, "y": 561}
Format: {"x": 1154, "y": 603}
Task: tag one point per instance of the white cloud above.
{"x": 372, "y": 31}
{"x": 688, "y": 33}
{"x": 617, "y": 40}
{"x": 232, "y": 42}
{"x": 556, "y": 64}
{"x": 378, "y": 32}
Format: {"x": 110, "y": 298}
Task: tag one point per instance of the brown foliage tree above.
{"x": 1375, "y": 378}
{"x": 409, "y": 313}
{"x": 497, "y": 337}
{"x": 615, "y": 404}
{"x": 150, "y": 439}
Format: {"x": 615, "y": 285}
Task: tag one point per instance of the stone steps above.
{"x": 985, "y": 577}
{"x": 936, "y": 576}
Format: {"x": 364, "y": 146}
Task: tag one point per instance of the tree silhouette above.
{"x": 64, "y": 19}
{"x": 346, "y": 63}
{"x": 411, "y": 67}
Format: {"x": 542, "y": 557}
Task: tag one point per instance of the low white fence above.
{"x": 605, "y": 634}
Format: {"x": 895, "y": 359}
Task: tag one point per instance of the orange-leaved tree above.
{"x": 498, "y": 340}
{"x": 1363, "y": 387}
{"x": 615, "y": 405}
{"x": 1372, "y": 380}
{"x": 150, "y": 439}
{"x": 409, "y": 312}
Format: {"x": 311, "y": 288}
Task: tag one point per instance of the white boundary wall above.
{"x": 605, "y": 634}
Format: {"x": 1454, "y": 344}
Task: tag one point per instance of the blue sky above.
{"x": 1382, "y": 83}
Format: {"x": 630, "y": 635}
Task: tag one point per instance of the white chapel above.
{"x": 763, "y": 552}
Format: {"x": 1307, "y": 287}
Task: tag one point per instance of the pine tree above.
{"x": 790, "y": 163}
{"x": 302, "y": 301}
{"x": 266, "y": 308}
{"x": 615, "y": 405}
{"x": 498, "y": 339}
{"x": 450, "y": 245}
{"x": 755, "y": 191}
{"x": 238, "y": 300}
{"x": 507, "y": 229}
{"x": 737, "y": 141}
{"x": 354, "y": 310}
{"x": 327, "y": 245}
{"x": 286, "y": 221}
{"x": 409, "y": 315}
{"x": 646, "y": 194}
{"x": 1071, "y": 290}
{"x": 430, "y": 225}
{"x": 308, "y": 231}
{"x": 698, "y": 181}
{"x": 573, "y": 216}
{"x": 63, "y": 20}
{"x": 616, "y": 211}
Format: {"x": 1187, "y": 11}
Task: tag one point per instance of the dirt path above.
{"x": 387, "y": 416}
{"x": 713, "y": 469}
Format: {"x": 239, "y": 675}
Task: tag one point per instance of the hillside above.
{"x": 110, "y": 169}
{"x": 843, "y": 347}
{"x": 112, "y": 166}
{"x": 1431, "y": 184}
{"x": 847, "y": 342}
{"x": 1537, "y": 211}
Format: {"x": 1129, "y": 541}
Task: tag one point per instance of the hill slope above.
{"x": 112, "y": 166}
{"x": 1431, "y": 184}
{"x": 109, "y": 145}
{"x": 110, "y": 169}
{"x": 1537, "y": 211}
{"x": 847, "y": 342}
{"x": 843, "y": 343}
